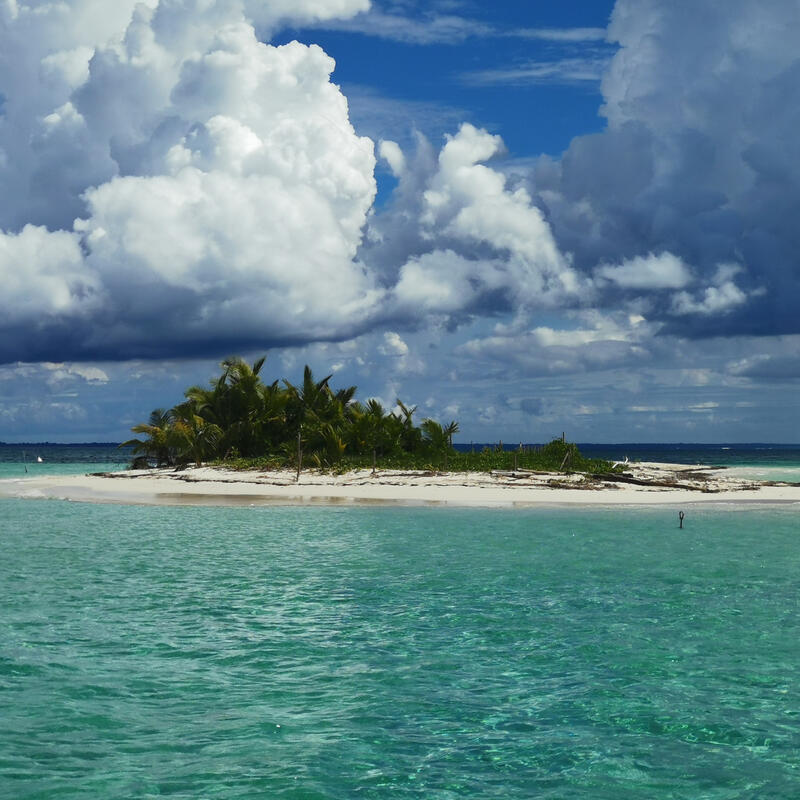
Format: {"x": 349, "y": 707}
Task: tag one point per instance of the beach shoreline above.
{"x": 640, "y": 484}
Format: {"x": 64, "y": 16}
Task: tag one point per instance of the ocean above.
{"x": 309, "y": 652}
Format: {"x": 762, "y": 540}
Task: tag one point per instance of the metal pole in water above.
{"x": 680, "y": 518}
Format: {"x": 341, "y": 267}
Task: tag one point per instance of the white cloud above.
{"x": 393, "y": 345}
{"x": 567, "y": 70}
{"x": 60, "y": 373}
{"x": 391, "y": 152}
{"x": 703, "y": 407}
{"x": 470, "y": 201}
{"x": 603, "y": 343}
{"x": 713, "y": 300}
{"x": 563, "y": 34}
{"x": 426, "y": 30}
{"x": 43, "y": 274}
{"x": 219, "y": 183}
{"x": 222, "y": 194}
{"x": 402, "y": 359}
{"x": 437, "y": 28}
{"x": 462, "y": 237}
{"x": 699, "y": 157}
{"x": 662, "y": 271}
{"x": 443, "y": 282}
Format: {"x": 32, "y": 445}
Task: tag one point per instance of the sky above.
{"x": 528, "y": 217}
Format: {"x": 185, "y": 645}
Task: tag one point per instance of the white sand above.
{"x": 214, "y": 486}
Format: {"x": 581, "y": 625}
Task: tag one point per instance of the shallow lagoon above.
{"x": 392, "y": 652}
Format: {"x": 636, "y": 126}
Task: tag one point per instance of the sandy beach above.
{"x": 641, "y": 484}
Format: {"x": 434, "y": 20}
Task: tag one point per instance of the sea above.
{"x": 398, "y": 652}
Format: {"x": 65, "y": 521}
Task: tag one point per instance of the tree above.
{"x": 411, "y": 436}
{"x": 160, "y": 441}
{"x": 195, "y": 438}
{"x": 434, "y": 435}
{"x": 237, "y": 414}
{"x": 241, "y": 388}
{"x": 307, "y": 400}
{"x": 449, "y": 430}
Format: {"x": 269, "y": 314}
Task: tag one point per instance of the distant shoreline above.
{"x": 642, "y": 484}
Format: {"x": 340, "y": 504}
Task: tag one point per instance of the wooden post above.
{"x": 299, "y": 456}
{"x": 374, "y": 461}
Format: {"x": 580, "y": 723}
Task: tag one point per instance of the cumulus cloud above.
{"x": 397, "y": 350}
{"x": 714, "y": 300}
{"x": 172, "y": 184}
{"x": 393, "y": 345}
{"x": 699, "y": 159}
{"x": 218, "y": 188}
{"x": 461, "y": 238}
{"x": 603, "y": 342}
{"x": 662, "y": 271}
{"x": 722, "y": 297}
{"x": 90, "y": 373}
{"x": 44, "y": 274}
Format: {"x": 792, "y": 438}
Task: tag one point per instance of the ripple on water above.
{"x": 312, "y": 652}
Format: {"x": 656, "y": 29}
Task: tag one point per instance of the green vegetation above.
{"x": 247, "y": 424}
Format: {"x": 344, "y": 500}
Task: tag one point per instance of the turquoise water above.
{"x": 39, "y": 460}
{"x": 307, "y": 653}
{"x": 761, "y": 462}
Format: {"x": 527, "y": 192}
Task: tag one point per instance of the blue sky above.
{"x": 529, "y": 217}
{"x": 447, "y": 78}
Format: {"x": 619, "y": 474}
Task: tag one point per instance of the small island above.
{"x": 245, "y": 442}
{"x": 242, "y": 423}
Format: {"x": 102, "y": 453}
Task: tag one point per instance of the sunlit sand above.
{"x": 656, "y": 484}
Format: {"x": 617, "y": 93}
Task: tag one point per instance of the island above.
{"x": 243, "y": 441}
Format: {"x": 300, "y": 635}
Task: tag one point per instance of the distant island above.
{"x": 243, "y": 423}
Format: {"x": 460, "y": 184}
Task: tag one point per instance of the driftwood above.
{"x": 667, "y": 484}
{"x": 520, "y": 473}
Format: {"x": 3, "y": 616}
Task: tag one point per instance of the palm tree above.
{"x": 434, "y": 435}
{"x": 450, "y": 429}
{"x": 305, "y": 410}
{"x": 243, "y": 403}
{"x": 306, "y": 400}
{"x": 239, "y": 414}
{"x": 236, "y": 404}
{"x": 195, "y": 438}
{"x": 160, "y": 441}
{"x": 270, "y": 422}
{"x": 412, "y": 436}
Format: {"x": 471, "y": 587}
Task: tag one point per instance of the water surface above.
{"x": 381, "y": 653}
